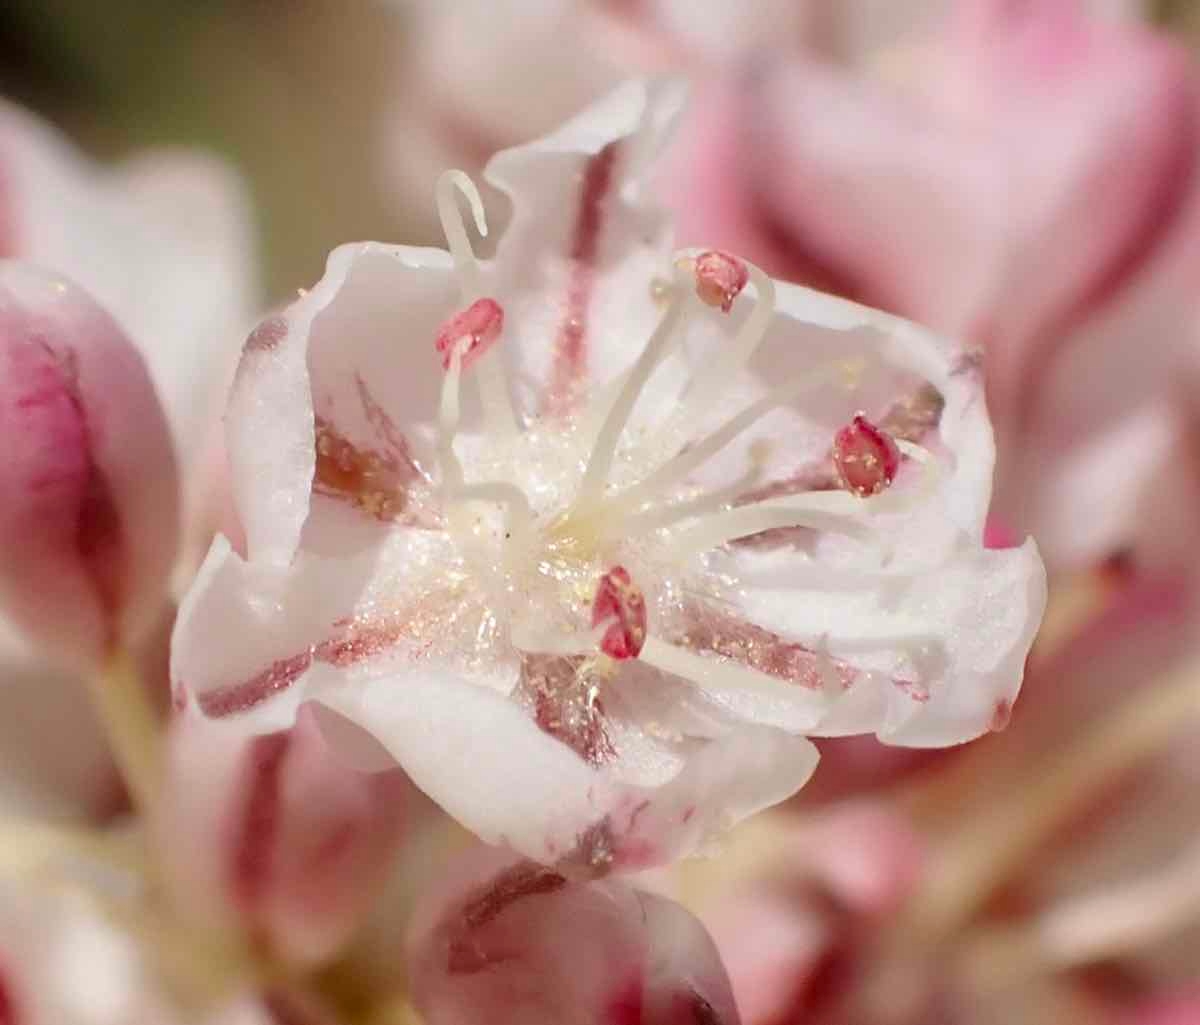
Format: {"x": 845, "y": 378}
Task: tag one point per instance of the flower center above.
{"x": 584, "y": 537}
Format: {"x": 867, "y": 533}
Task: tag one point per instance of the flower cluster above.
{"x": 532, "y": 575}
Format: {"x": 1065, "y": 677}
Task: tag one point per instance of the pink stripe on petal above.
{"x": 70, "y": 489}
{"x": 256, "y": 841}
{"x": 8, "y": 1003}
{"x": 570, "y": 366}
{"x": 243, "y": 696}
{"x": 353, "y": 641}
{"x": 747, "y": 644}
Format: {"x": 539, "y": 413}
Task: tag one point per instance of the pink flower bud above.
{"x": 271, "y": 837}
{"x": 89, "y": 520}
{"x": 506, "y": 940}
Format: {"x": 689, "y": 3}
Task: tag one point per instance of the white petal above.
{"x": 586, "y": 242}
{"x": 959, "y": 634}
{"x": 376, "y": 309}
{"x": 482, "y": 758}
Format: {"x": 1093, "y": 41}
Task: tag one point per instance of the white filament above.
{"x": 449, "y": 414}
{"x": 726, "y": 364}
{"x": 830, "y": 511}
{"x": 657, "y": 517}
{"x": 489, "y": 373}
{"x": 605, "y": 448}
{"x": 466, "y": 266}
{"x": 717, "y": 676}
{"x": 675, "y": 471}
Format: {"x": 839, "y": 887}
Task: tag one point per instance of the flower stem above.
{"x": 131, "y": 726}
{"x": 994, "y": 842}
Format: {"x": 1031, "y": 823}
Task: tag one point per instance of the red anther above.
{"x": 481, "y": 322}
{"x": 720, "y": 278}
{"x": 619, "y": 601}
{"x": 866, "y": 458}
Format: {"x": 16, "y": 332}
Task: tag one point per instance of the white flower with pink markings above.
{"x": 593, "y": 536}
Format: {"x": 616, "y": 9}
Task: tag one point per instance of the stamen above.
{"x": 449, "y": 412}
{"x": 620, "y": 607}
{"x": 726, "y": 364}
{"x": 865, "y": 457}
{"x": 830, "y": 511}
{"x": 605, "y": 448}
{"x": 483, "y": 318}
{"x": 827, "y": 511}
{"x": 675, "y": 470}
{"x": 702, "y": 505}
{"x": 720, "y": 278}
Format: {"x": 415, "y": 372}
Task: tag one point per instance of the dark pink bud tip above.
{"x": 480, "y": 323}
{"x": 1001, "y": 715}
{"x": 620, "y": 602}
{"x": 866, "y": 458}
{"x": 720, "y": 278}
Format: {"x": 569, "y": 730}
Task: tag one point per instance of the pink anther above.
{"x": 480, "y": 323}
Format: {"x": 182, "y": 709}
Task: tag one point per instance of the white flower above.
{"x": 597, "y": 614}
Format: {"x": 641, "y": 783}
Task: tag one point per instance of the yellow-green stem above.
{"x": 131, "y": 726}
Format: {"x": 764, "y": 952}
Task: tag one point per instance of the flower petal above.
{"x": 576, "y": 266}
{"x": 271, "y": 836}
{"x": 329, "y": 358}
{"x": 89, "y": 525}
{"x": 485, "y": 761}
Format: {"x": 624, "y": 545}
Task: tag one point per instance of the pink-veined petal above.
{"x": 272, "y": 837}
{"x": 327, "y": 359}
{"x": 586, "y": 242}
{"x": 90, "y": 521}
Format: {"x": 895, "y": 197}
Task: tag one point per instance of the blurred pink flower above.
{"x": 65, "y": 960}
{"x": 271, "y": 839}
{"x": 511, "y": 942}
{"x": 541, "y": 616}
{"x": 163, "y": 242}
{"x": 63, "y": 963}
{"x": 89, "y": 526}
{"x": 1181, "y": 1010}
{"x": 790, "y": 933}
{"x": 1026, "y": 179}
{"x": 478, "y": 76}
